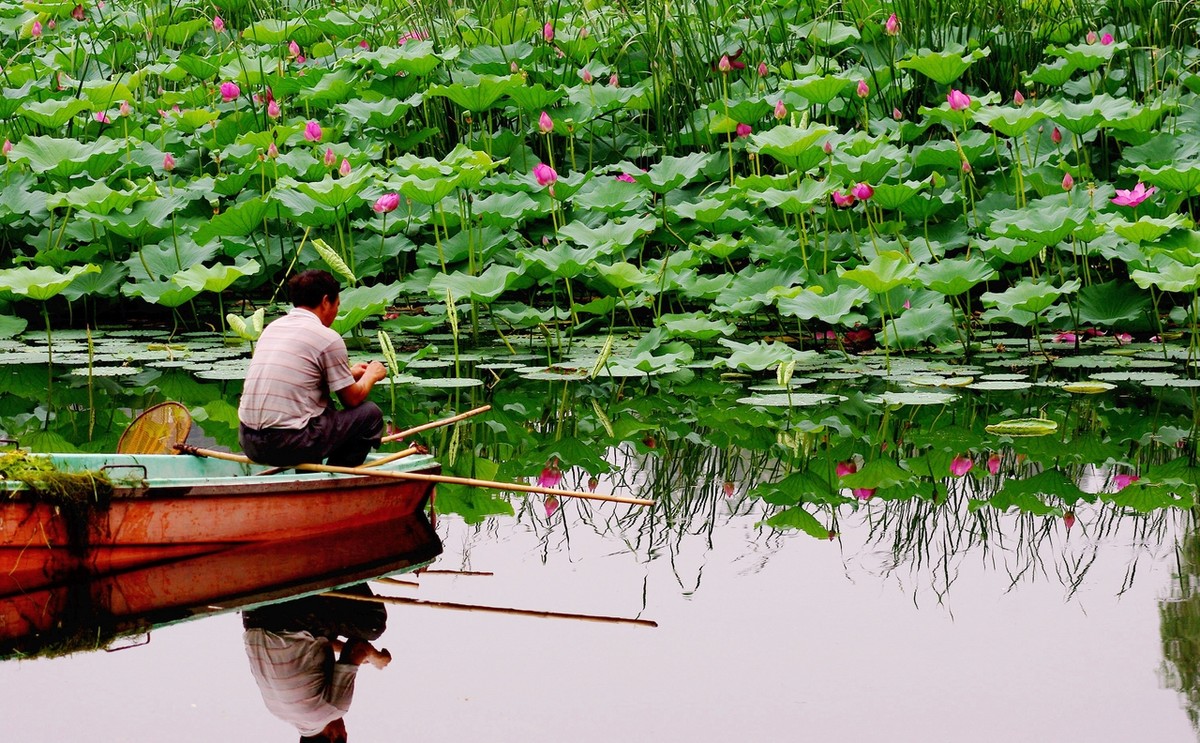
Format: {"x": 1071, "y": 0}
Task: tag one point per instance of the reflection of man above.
{"x": 305, "y": 673}
{"x": 286, "y": 414}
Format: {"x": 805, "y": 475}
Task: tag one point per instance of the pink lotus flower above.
{"x": 862, "y": 191}
{"x": 51, "y": 24}
{"x": 78, "y": 12}
{"x": 961, "y": 465}
{"x": 584, "y": 33}
{"x": 6, "y": 148}
{"x": 548, "y": 32}
{"x": 273, "y": 109}
{"x": 1065, "y": 337}
{"x": 896, "y": 114}
{"x": 592, "y": 483}
{"x": 724, "y": 65}
{"x": 544, "y": 174}
{"x": 1091, "y": 37}
{"x": 1106, "y": 39}
{"x": 364, "y": 44}
{"x": 551, "y": 505}
{"x": 1055, "y": 136}
{"x": 123, "y": 109}
{"x": 1018, "y": 99}
{"x": 958, "y": 100}
{"x": 312, "y": 131}
{"x": 993, "y": 463}
{"x": 330, "y": 158}
{"x": 743, "y": 130}
{"x": 847, "y": 467}
{"x": 344, "y": 168}
{"x": 1122, "y": 480}
{"x": 827, "y": 148}
{"x": 1133, "y": 197}
{"x": 1069, "y": 519}
{"x": 863, "y": 494}
{"x": 272, "y": 151}
{"x": 36, "y": 29}
{"x": 168, "y": 162}
{"x": 218, "y": 24}
{"x": 613, "y": 81}
{"x": 229, "y": 91}
{"x": 762, "y": 69}
{"x": 627, "y": 178}
{"x": 102, "y": 117}
{"x": 843, "y": 200}
{"x": 386, "y": 203}
{"x": 293, "y": 48}
{"x": 780, "y": 110}
{"x": 863, "y": 90}
{"x": 1068, "y": 182}
{"x": 729, "y": 488}
{"x": 1123, "y": 338}
{"x": 551, "y": 475}
{"x": 908, "y": 304}
{"x": 586, "y": 76}
{"x": 545, "y": 123}
{"x": 892, "y": 25}
{"x": 966, "y": 167}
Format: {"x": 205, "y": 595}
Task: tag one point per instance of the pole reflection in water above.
{"x": 305, "y": 655}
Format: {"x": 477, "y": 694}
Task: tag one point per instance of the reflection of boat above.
{"x": 169, "y": 506}
{"x": 85, "y": 615}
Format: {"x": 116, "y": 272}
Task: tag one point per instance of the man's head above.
{"x": 317, "y": 291}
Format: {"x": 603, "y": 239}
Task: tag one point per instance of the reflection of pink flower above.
{"x": 993, "y": 463}
{"x": 386, "y": 203}
{"x": 961, "y": 465}
{"x": 862, "y": 191}
{"x": 229, "y": 91}
{"x": 729, "y": 488}
{"x": 864, "y": 494}
{"x": 843, "y": 200}
{"x": 544, "y": 174}
{"x": 1135, "y": 196}
{"x": 1069, "y": 519}
{"x": 846, "y": 468}
{"x": 743, "y": 130}
{"x": 551, "y": 505}
{"x": 1122, "y": 480}
{"x": 592, "y": 483}
{"x": 892, "y": 25}
{"x": 312, "y": 131}
{"x": 958, "y": 100}
{"x": 551, "y": 475}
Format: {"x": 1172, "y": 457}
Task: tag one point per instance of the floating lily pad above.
{"x": 1132, "y": 376}
{"x": 1174, "y": 382}
{"x": 933, "y": 381}
{"x": 1001, "y": 385}
{"x": 448, "y": 382}
{"x": 1092, "y": 362}
{"x": 912, "y": 398}
{"x": 1088, "y": 388}
{"x": 794, "y": 400}
{"x": 107, "y": 371}
{"x": 555, "y": 373}
{"x": 1023, "y": 427}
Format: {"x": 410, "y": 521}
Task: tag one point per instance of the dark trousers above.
{"x": 323, "y": 616}
{"x": 343, "y": 437}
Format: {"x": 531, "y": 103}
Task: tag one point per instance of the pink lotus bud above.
{"x": 386, "y": 203}
{"x": 842, "y": 200}
{"x": 272, "y": 151}
{"x": 1091, "y": 37}
{"x": 229, "y": 91}
{"x": 364, "y": 44}
{"x": 1055, "y": 136}
{"x": 614, "y": 81}
{"x": 548, "y": 33}
{"x": 958, "y": 100}
{"x": 545, "y": 123}
{"x": 762, "y": 69}
{"x": 123, "y": 109}
{"x": 1123, "y": 338}
{"x": 52, "y": 24}
{"x": 1018, "y": 99}
{"x": 724, "y": 65}
{"x": 862, "y": 191}
{"x": 743, "y": 130}
{"x": 1122, "y": 480}
{"x": 966, "y": 167}
{"x": 6, "y": 148}
{"x": 586, "y": 75}
{"x": 36, "y": 29}
{"x": 863, "y": 494}
{"x": 993, "y": 463}
{"x": 827, "y": 148}
{"x": 863, "y": 89}
{"x": 1069, "y": 519}
{"x": 892, "y": 25}
{"x": 896, "y": 114}
{"x": 273, "y": 110}
{"x": 544, "y": 174}
{"x": 729, "y": 488}
{"x": 344, "y": 168}
{"x": 1068, "y": 182}
{"x": 293, "y": 48}
{"x": 780, "y": 110}
{"x": 551, "y": 505}
{"x": 78, "y": 13}
{"x": 218, "y": 24}
{"x": 102, "y": 117}
{"x": 908, "y": 304}
{"x": 847, "y": 467}
{"x": 592, "y": 483}
{"x": 960, "y": 466}
{"x": 583, "y": 33}
{"x": 626, "y": 178}
{"x": 168, "y": 162}
{"x": 330, "y": 158}
{"x": 312, "y": 131}
{"x": 551, "y": 475}
{"x": 1106, "y": 39}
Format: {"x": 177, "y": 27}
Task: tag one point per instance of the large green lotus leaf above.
{"x": 1052, "y": 74}
{"x": 361, "y": 302}
{"x": 797, "y": 147}
{"x": 1080, "y": 118}
{"x": 798, "y": 200}
{"x": 759, "y": 355}
{"x": 332, "y": 192}
{"x": 622, "y": 276}
{"x": 11, "y": 99}
{"x": 1183, "y": 177}
{"x": 215, "y": 278}
{"x": 672, "y": 172}
{"x": 896, "y": 195}
{"x": 1047, "y": 222}
{"x": 1169, "y": 277}
{"x": 167, "y": 258}
{"x": 335, "y": 87}
{"x": 819, "y": 90}
{"x": 697, "y": 325}
{"x": 238, "y": 220}
{"x": 943, "y": 154}
{"x": 920, "y": 326}
{"x": 12, "y": 326}
{"x": 1112, "y": 303}
{"x": 1028, "y": 296}
{"x": 942, "y": 67}
{"x": 506, "y": 209}
{"x": 304, "y": 209}
{"x": 106, "y": 283}
{"x": 477, "y": 93}
{"x": 1143, "y": 118}
{"x": 878, "y": 473}
{"x": 106, "y": 93}
{"x": 1149, "y": 229}
{"x": 201, "y": 68}
{"x": 533, "y": 99}
{"x": 41, "y": 283}
{"x": 1148, "y": 497}
{"x": 609, "y": 195}
{"x": 271, "y": 31}
{"x": 955, "y": 276}
{"x": 54, "y": 113}
{"x": 98, "y": 198}
{"x": 610, "y": 233}
{"x": 428, "y": 191}
{"x": 1087, "y": 57}
{"x": 67, "y": 157}
{"x": 381, "y": 114}
{"x": 827, "y": 32}
{"x": 165, "y": 293}
{"x": 412, "y": 57}
{"x": 885, "y": 272}
{"x": 562, "y": 260}
{"x": 798, "y": 518}
{"x": 1010, "y": 250}
{"x": 486, "y": 287}
{"x": 808, "y": 304}
{"x": 798, "y": 487}
{"x": 177, "y": 34}
{"x": 19, "y": 198}
{"x": 1012, "y": 121}
{"x": 147, "y": 219}
{"x": 1030, "y": 494}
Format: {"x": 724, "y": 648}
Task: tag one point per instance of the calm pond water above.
{"x": 1041, "y": 601}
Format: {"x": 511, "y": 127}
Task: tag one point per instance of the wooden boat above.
{"x": 165, "y": 507}
{"x": 88, "y": 614}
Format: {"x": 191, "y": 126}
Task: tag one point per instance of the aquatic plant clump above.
{"x": 75, "y": 496}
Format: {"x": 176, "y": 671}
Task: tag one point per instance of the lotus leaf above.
{"x": 942, "y": 67}
{"x": 216, "y": 278}
{"x": 798, "y": 518}
{"x": 760, "y": 356}
{"x": 1169, "y": 277}
{"x": 808, "y": 304}
{"x": 414, "y": 57}
{"x": 66, "y": 157}
{"x": 697, "y": 325}
{"x": 878, "y": 473}
{"x": 486, "y": 287}
{"x": 820, "y": 90}
{"x": 477, "y": 93}
{"x": 797, "y": 147}
{"x": 360, "y": 302}
{"x": 53, "y": 113}
{"x": 1028, "y": 296}
{"x": 1080, "y": 118}
{"x": 671, "y": 173}
{"x": 1087, "y": 57}
{"x": 1114, "y": 303}
{"x": 1013, "y": 121}
{"x": 888, "y": 270}
{"x": 41, "y": 283}
{"x": 238, "y": 220}
{"x": 955, "y": 276}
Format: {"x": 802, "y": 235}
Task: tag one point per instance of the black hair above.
{"x": 318, "y": 738}
{"x": 308, "y": 288}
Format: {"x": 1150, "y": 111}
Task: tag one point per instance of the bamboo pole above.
{"x": 422, "y": 476}
{"x": 491, "y": 609}
{"x": 436, "y": 424}
{"x": 455, "y": 572}
{"x": 396, "y": 581}
{"x": 396, "y": 455}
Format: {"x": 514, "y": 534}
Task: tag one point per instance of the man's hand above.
{"x": 365, "y": 376}
{"x": 375, "y": 369}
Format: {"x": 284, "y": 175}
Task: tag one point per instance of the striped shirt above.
{"x": 297, "y": 364}
{"x": 293, "y": 673}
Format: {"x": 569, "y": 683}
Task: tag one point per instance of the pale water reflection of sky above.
{"x": 802, "y": 640}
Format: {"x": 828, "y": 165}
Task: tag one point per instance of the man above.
{"x": 286, "y": 414}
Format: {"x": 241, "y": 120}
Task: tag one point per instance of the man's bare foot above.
{"x": 379, "y": 658}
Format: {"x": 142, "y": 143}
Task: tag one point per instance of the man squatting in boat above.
{"x": 286, "y": 414}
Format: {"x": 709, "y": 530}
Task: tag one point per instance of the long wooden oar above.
{"x": 495, "y": 609}
{"x": 449, "y": 479}
{"x": 436, "y": 424}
